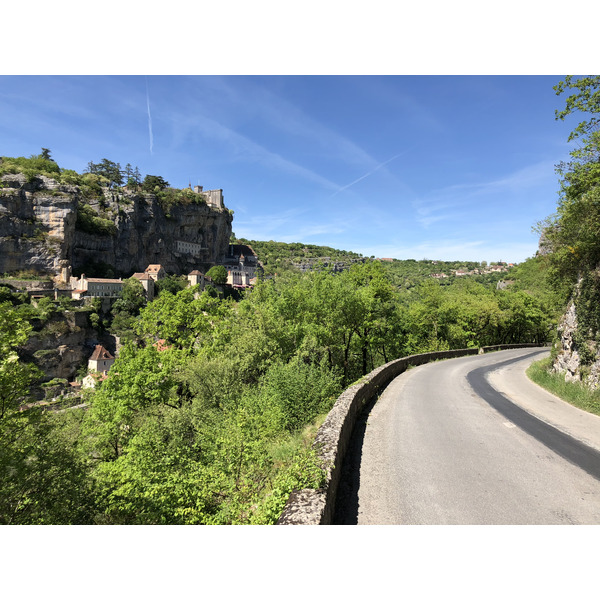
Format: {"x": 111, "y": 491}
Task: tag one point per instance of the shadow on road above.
{"x": 346, "y": 505}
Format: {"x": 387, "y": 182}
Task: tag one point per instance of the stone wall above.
{"x": 316, "y": 507}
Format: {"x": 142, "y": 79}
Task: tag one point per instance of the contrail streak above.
{"x": 366, "y": 174}
{"x": 149, "y": 117}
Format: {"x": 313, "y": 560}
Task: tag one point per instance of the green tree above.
{"x": 132, "y": 297}
{"x": 107, "y": 169}
{"x": 181, "y": 319}
{"x": 218, "y": 273}
{"x": 154, "y": 183}
{"x": 126, "y": 308}
{"x": 573, "y": 234}
{"x": 171, "y": 283}
{"x": 139, "y": 378}
{"x": 43, "y": 479}
{"x": 15, "y": 376}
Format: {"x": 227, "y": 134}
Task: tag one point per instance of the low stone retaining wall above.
{"x": 315, "y": 507}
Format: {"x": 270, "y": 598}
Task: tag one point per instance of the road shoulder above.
{"x": 512, "y": 381}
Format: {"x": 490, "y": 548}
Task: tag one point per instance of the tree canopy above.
{"x": 573, "y": 234}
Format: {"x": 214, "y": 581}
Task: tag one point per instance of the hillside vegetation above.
{"x": 213, "y": 425}
{"x": 571, "y": 237}
{"x": 105, "y": 174}
{"x": 278, "y": 257}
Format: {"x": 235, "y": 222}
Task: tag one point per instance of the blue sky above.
{"x": 439, "y": 167}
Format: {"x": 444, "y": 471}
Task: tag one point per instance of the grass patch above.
{"x": 575, "y": 393}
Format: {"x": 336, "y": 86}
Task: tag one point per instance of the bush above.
{"x": 218, "y": 274}
{"x": 89, "y": 222}
{"x": 301, "y": 391}
{"x": 31, "y": 167}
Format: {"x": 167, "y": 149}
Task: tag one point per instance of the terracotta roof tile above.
{"x": 101, "y": 353}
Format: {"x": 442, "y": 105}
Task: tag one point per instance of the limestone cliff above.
{"x": 46, "y": 227}
{"x": 59, "y": 346}
{"x": 578, "y": 350}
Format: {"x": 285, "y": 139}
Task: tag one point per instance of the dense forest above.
{"x": 208, "y": 413}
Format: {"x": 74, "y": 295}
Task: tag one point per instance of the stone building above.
{"x": 196, "y": 278}
{"x": 156, "y": 272}
{"x": 101, "y": 360}
{"x": 95, "y": 287}
{"x": 242, "y": 266}
{"x": 214, "y": 198}
{"x": 147, "y": 282}
{"x": 91, "y": 380}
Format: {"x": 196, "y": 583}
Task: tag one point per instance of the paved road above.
{"x": 473, "y": 441}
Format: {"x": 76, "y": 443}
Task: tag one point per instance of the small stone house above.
{"x": 147, "y": 282}
{"x": 196, "y": 278}
{"x": 101, "y": 360}
{"x": 156, "y": 272}
{"x": 91, "y": 380}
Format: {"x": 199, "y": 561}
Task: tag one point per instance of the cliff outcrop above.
{"x": 47, "y": 227}
{"x": 59, "y": 346}
{"x": 578, "y": 350}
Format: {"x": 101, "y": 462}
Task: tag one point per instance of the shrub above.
{"x": 301, "y": 390}
{"x": 218, "y": 274}
{"x": 89, "y": 222}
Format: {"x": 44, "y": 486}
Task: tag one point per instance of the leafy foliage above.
{"x": 89, "y": 222}
{"x": 31, "y": 167}
{"x": 154, "y": 183}
{"x": 108, "y": 170}
{"x": 277, "y": 257}
{"x": 218, "y": 273}
{"x": 573, "y": 234}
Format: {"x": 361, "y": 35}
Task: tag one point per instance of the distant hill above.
{"x": 277, "y": 257}
{"x": 408, "y": 273}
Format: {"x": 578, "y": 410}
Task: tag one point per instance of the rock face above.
{"x": 46, "y": 227}
{"x": 37, "y": 222}
{"x": 578, "y": 357}
{"x": 59, "y": 347}
{"x": 567, "y": 361}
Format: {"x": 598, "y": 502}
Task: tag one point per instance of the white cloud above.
{"x": 444, "y": 204}
{"x": 379, "y": 166}
{"x": 248, "y": 150}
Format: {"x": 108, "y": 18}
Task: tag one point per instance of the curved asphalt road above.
{"x": 472, "y": 441}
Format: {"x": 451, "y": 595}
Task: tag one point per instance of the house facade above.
{"x": 196, "y": 278}
{"x": 95, "y": 287}
{"x": 147, "y": 282}
{"x": 156, "y": 272}
{"x": 101, "y": 360}
{"x": 242, "y": 265}
{"x": 214, "y": 198}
